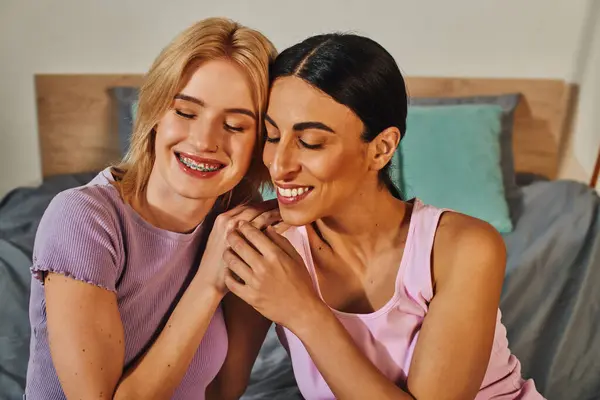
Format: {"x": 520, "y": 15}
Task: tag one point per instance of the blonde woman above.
{"x": 128, "y": 275}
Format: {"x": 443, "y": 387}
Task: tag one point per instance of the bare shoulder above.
{"x": 467, "y": 245}
{"x": 460, "y": 232}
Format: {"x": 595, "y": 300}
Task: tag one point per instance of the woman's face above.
{"x": 314, "y": 152}
{"x": 204, "y": 142}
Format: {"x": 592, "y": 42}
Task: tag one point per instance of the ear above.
{"x": 383, "y": 147}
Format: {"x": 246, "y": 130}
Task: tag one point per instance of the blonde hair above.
{"x": 209, "y": 39}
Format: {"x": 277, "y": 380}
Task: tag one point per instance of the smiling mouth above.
{"x": 293, "y": 195}
{"x": 198, "y": 167}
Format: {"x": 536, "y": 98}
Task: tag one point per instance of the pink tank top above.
{"x": 389, "y": 335}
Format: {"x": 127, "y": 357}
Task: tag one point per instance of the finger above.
{"x": 270, "y": 204}
{"x": 238, "y": 266}
{"x": 281, "y": 227}
{"x": 235, "y": 211}
{"x": 244, "y": 250}
{"x": 267, "y": 218}
{"x": 258, "y": 239}
{"x": 239, "y": 289}
{"x": 251, "y": 212}
{"x": 282, "y": 243}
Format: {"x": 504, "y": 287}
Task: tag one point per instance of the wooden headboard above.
{"x": 75, "y": 125}
{"x": 76, "y": 133}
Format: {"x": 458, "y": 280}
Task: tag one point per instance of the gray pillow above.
{"x": 508, "y": 103}
{"x": 123, "y": 100}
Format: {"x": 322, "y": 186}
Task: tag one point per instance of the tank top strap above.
{"x": 416, "y": 274}
{"x": 298, "y": 237}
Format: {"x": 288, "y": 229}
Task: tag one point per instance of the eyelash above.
{"x": 184, "y": 115}
{"x": 302, "y": 143}
{"x": 226, "y": 126}
{"x": 310, "y": 146}
{"x": 233, "y": 128}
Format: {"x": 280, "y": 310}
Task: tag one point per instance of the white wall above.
{"x": 493, "y": 38}
{"x": 586, "y": 141}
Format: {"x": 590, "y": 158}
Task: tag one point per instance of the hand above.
{"x": 212, "y": 268}
{"x": 275, "y": 279}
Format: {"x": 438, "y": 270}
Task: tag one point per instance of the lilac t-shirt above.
{"x": 89, "y": 233}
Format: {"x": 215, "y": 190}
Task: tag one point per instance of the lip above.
{"x": 200, "y": 159}
{"x": 198, "y": 174}
{"x": 288, "y": 201}
{"x": 290, "y": 186}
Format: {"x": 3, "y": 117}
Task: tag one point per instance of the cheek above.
{"x": 170, "y": 130}
{"x": 242, "y": 148}
{"x": 268, "y": 154}
{"x": 333, "y": 166}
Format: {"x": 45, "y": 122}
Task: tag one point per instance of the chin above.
{"x": 297, "y": 217}
{"x": 193, "y": 190}
{"x": 194, "y": 193}
{"x": 196, "y": 189}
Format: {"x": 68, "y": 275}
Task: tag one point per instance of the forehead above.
{"x": 219, "y": 83}
{"x": 293, "y": 100}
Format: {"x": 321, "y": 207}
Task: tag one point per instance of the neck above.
{"x": 165, "y": 209}
{"x": 371, "y": 215}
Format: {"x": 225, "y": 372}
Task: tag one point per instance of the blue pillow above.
{"x": 450, "y": 158}
{"x": 124, "y": 108}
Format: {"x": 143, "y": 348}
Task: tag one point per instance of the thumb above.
{"x": 283, "y": 244}
{"x": 281, "y": 227}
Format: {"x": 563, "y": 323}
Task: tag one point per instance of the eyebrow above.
{"x": 191, "y": 99}
{"x": 270, "y": 120}
{"x": 201, "y": 103}
{"x": 302, "y": 126}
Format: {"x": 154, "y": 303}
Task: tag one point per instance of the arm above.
{"x": 280, "y": 274}
{"x": 338, "y": 359}
{"x": 455, "y": 342}
{"x": 454, "y": 345}
{"x": 246, "y": 330}
{"x": 84, "y": 326}
{"x": 456, "y": 339}
{"x": 87, "y": 343}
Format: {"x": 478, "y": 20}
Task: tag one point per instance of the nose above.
{"x": 205, "y": 136}
{"x": 285, "y": 164}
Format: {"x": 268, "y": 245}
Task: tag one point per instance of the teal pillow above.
{"x": 267, "y": 193}
{"x": 450, "y": 158}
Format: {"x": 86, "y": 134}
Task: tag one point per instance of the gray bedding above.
{"x": 549, "y": 304}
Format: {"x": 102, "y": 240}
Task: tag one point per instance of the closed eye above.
{"x": 184, "y": 115}
{"x": 233, "y": 128}
{"x": 302, "y": 143}
{"x": 310, "y": 146}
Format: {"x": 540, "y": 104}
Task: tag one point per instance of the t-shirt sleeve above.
{"x": 78, "y": 237}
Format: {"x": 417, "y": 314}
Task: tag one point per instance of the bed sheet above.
{"x": 550, "y": 300}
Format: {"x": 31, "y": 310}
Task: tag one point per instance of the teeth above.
{"x": 292, "y": 192}
{"x": 198, "y": 166}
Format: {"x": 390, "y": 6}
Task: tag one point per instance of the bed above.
{"x": 550, "y": 302}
